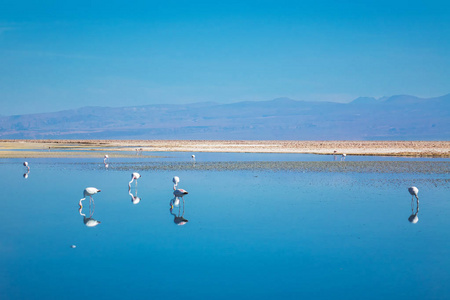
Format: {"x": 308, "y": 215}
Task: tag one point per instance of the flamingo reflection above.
{"x": 89, "y": 221}
{"x": 414, "y": 217}
{"x": 134, "y": 198}
{"x": 178, "y": 217}
{"x": 25, "y": 175}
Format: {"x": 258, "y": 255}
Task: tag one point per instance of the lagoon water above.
{"x": 342, "y": 232}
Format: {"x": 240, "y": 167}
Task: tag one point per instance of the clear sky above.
{"x": 57, "y": 54}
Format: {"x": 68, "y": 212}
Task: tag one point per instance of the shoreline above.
{"x": 97, "y": 148}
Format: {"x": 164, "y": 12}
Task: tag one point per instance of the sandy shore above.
{"x": 96, "y": 148}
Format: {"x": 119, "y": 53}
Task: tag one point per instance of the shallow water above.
{"x": 317, "y": 230}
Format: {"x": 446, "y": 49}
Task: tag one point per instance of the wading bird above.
{"x": 26, "y": 165}
{"x": 414, "y": 192}
{"x": 106, "y": 160}
{"x": 89, "y": 191}
{"x": 177, "y": 192}
{"x": 134, "y": 176}
{"x": 89, "y": 222}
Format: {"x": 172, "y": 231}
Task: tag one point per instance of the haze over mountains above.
{"x": 390, "y": 118}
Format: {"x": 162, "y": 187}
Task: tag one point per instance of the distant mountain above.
{"x": 400, "y": 117}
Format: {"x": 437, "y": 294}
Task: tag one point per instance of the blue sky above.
{"x": 57, "y": 55}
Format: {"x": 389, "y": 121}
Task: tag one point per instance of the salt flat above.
{"x": 91, "y": 148}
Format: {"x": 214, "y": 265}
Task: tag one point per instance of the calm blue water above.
{"x": 250, "y": 234}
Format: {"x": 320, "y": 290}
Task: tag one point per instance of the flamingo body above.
{"x": 134, "y": 176}
{"x": 413, "y": 191}
{"x": 180, "y": 193}
{"x": 90, "y": 191}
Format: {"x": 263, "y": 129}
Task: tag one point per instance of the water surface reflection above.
{"x": 178, "y": 217}
{"x": 134, "y": 198}
{"x": 414, "y": 217}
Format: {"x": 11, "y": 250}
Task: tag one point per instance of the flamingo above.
{"x": 193, "y": 157}
{"x": 178, "y": 192}
{"x": 89, "y": 191}
{"x": 133, "y": 177}
{"x": 343, "y": 156}
{"x": 414, "y": 192}
{"x": 89, "y": 222}
{"x": 28, "y": 170}
{"x": 105, "y": 159}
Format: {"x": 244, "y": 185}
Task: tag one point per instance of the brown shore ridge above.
{"x": 95, "y": 148}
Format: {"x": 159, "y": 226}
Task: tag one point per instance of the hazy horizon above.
{"x": 398, "y": 117}
{"x": 219, "y": 103}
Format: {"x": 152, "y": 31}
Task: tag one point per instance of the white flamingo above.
{"x": 343, "y": 156}
{"x": 193, "y": 157}
{"x": 414, "y": 192}
{"x": 177, "y": 192}
{"x": 134, "y": 176}
{"x": 89, "y": 191}
{"x": 89, "y": 222}
{"x": 106, "y": 160}
{"x": 28, "y": 170}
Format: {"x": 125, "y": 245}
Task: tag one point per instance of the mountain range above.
{"x": 401, "y": 117}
